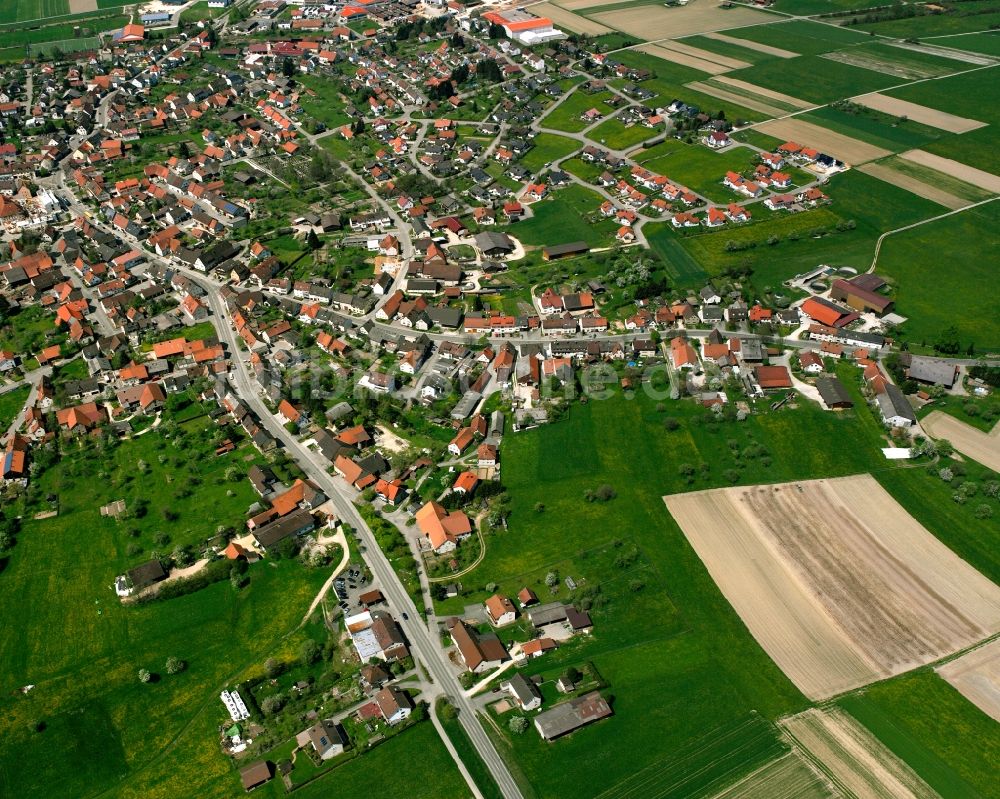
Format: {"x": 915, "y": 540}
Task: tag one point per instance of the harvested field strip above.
{"x": 653, "y": 22}
{"x": 852, "y": 757}
{"x": 567, "y": 19}
{"x": 942, "y": 180}
{"x": 973, "y": 443}
{"x": 807, "y": 134}
{"x": 761, "y": 91}
{"x": 919, "y": 113}
{"x": 976, "y": 675}
{"x": 683, "y": 59}
{"x": 739, "y": 99}
{"x": 944, "y": 52}
{"x": 914, "y": 185}
{"x": 977, "y": 177}
{"x": 758, "y": 97}
{"x": 836, "y": 595}
{"x": 706, "y": 55}
{"x": 885, "y": 66}
{"x": 788, "y": 777}
{"x": 760, "y": 48}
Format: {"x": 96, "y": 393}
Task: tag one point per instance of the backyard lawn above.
{"x": 547, "y": 148}
{"x": 567, "y": 115}
{"x": 567, "y": 215}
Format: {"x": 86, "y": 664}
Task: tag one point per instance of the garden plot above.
{"x": 845, "y": 148}
{"x": 919, "y": 113}
{"x": 883, "y": 65}
{"x": 838, "y": 584}
{"x": 853, "y": 758}
{"x": 656, "y": 22}
{"x": 760, "y": 48}
{"x": 971, "y": 442}
{"x": 976, "y": 675}
{"x": 945, "y": 52}
{"x": 914, "y": 185}
{"x": 977, "y": 177}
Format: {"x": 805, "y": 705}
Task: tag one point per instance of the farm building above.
{"x": 569, "y": 716}
{"x": 833, "y": 393}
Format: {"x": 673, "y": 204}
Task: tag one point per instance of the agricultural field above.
{"x": 828, "y": 79}
{"x": 976, "y": 444}
{"x": 801, "y": 36}
{"x": 546, "y": 148}
{"x": 788, "y": 777}
{"x": 986, "y": 43}
{"x": 26, "y": 10}
{"x": 853, "y": 757}
{"x": 963, "y": 17}
{"x": 874, "y": 128}
{"x": 933, "y": 305}
{"x": 935, "y": 730}
{"x": 674, "y": 653}
{"x": 976, "y": 675}
{"x": 832, "y": 627}
{"x": 652, "y": 22}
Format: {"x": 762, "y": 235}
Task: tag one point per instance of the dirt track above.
{"x": 749, "y": 45}
{"x": 911, "y": 184}
{"x": 807, "y": 134}
{"x": 857, "y": 761}
{"x": 977, "y": 177}
{"x": 976, "y": 676}
{"x": 838, "y": 584}
{"x": 919, "y": 113}
{"x": 650, "y": 23}
{"x": 974, "y": 443}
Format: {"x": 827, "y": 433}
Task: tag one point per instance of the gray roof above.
{"x": 523, "y": 689}
{"x": 547, "y": 614}
{"x": 491, "y": 240}
{"x": 832, "y": 391}
{"x": 932, "y": 370}
{"x": 892, "y": 402}
{"x": 572, "y": 715}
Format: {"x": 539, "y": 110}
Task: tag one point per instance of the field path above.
{"x": 341, "y": 539}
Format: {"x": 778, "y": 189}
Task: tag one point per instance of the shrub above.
{"x": 175, "y": 665}
{"x": 272, "y": 704}
{"x": 273, "y": 667}
{"x": 144, "y": 675}
{"x": 984, "y": 511}
{"x": 518, "y": 725}
{"x": 946, "y": 474}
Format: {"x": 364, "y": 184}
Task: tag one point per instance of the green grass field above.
{"x": 417, "y": 757}
{"x": 828, "y": 80}
{"x": 941, "y": 735}
{"x": 25, "y": 10}
{"x": 702, "y": 169}
{"x": 470, "y": 757}
{"x": 934, "y": 177}
{"x": 875, "y": 128}
{"x": 676, "y": 657}
{"x": 617, "y": 136}
{"x": 566, "y": 115}
{"x": 727, "y": 49}
{"x": 988, "y": 43}
{"x": 670, "y": 81}
{"x": 548, "y": 147}
{"x": 801, "y": 36}
{"x": 934, "y": 298}
{"x": 938, "y": 24}
{"x": 10, "y": 405}
{"x": 873, "y": 205}
{"x": 566, "y": 216}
